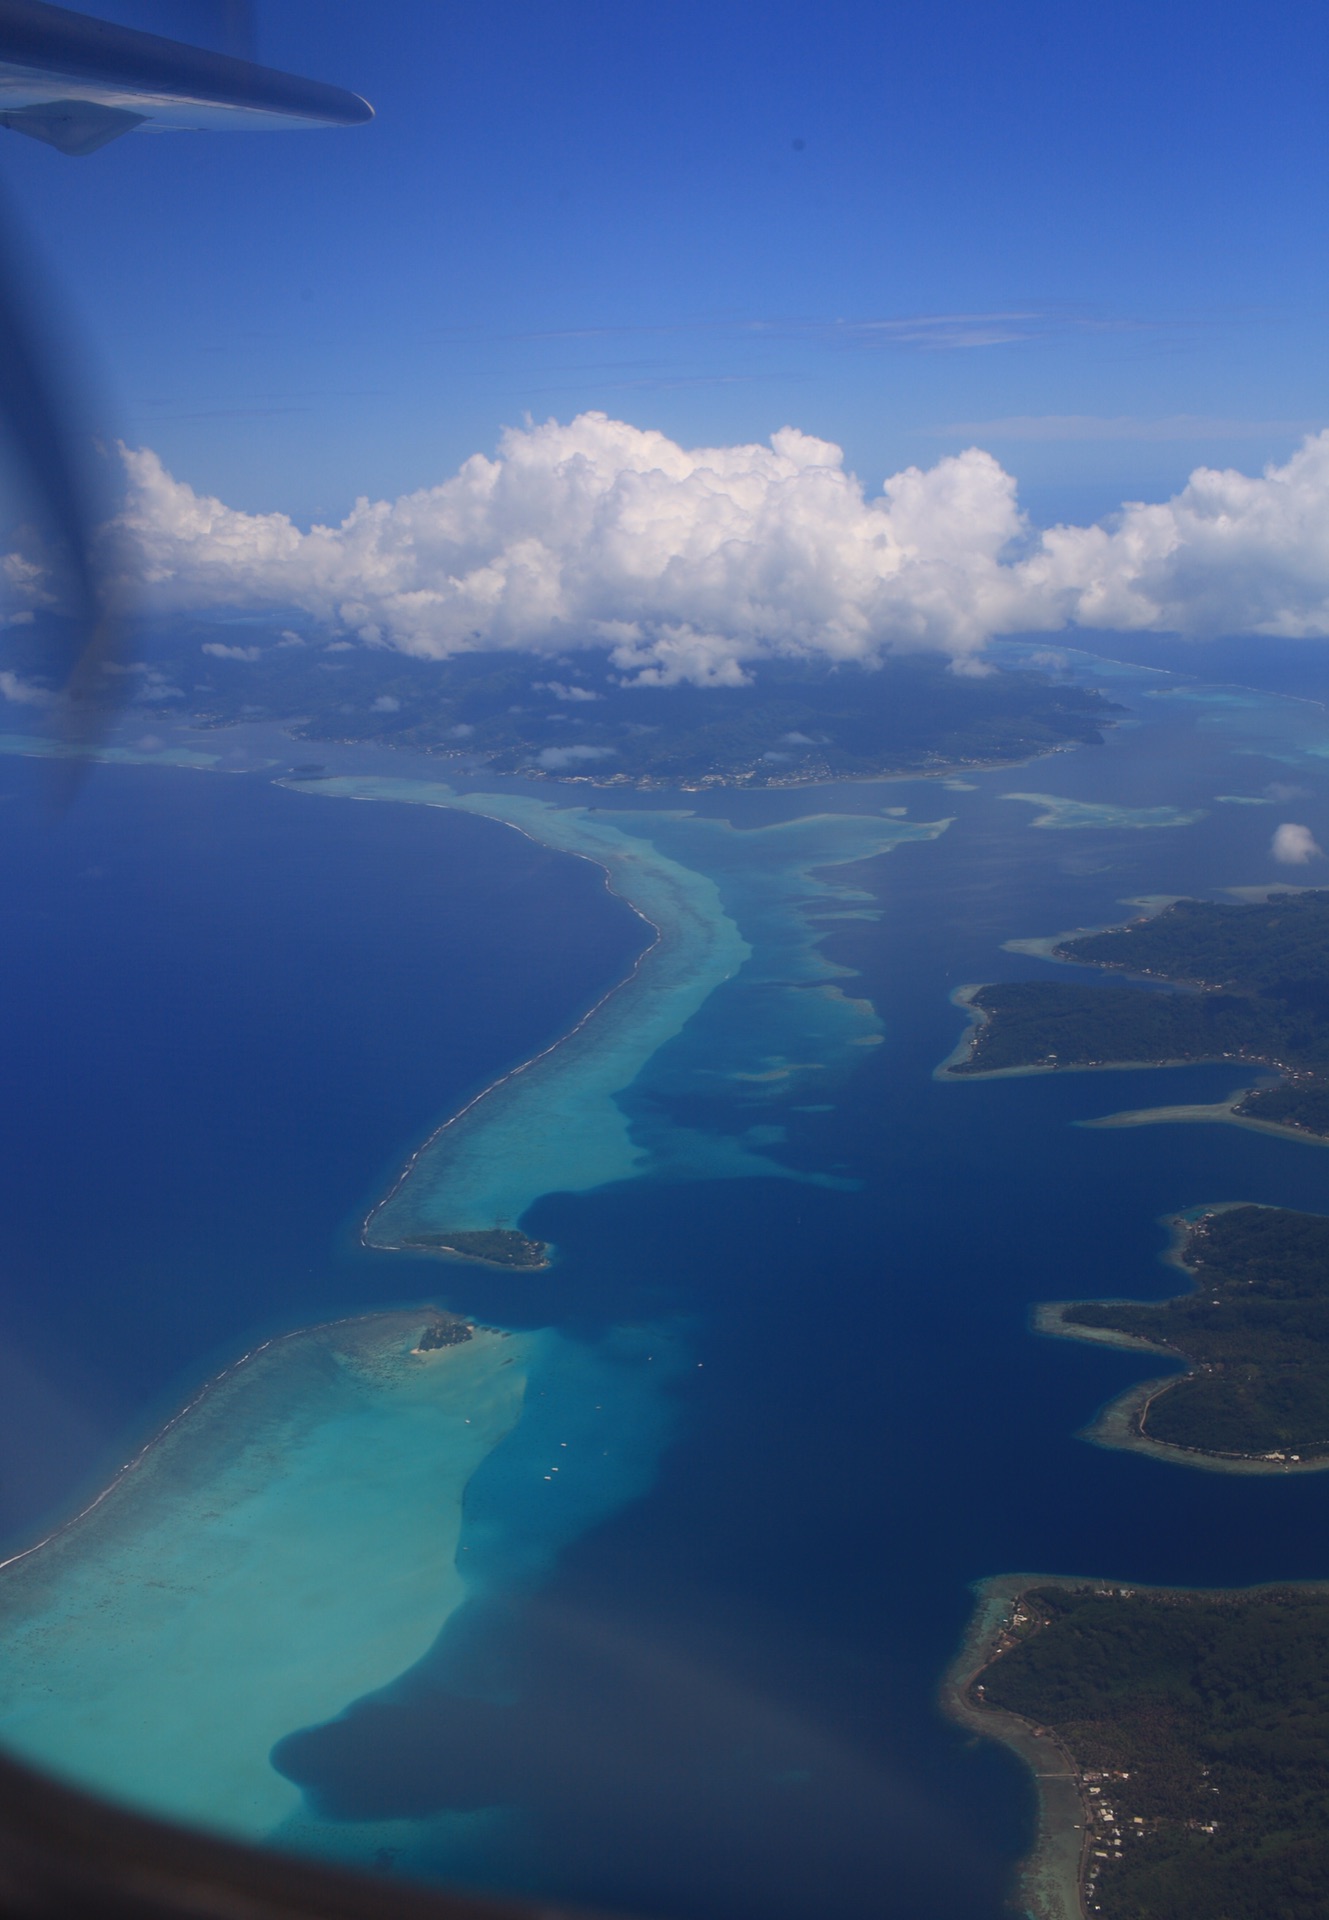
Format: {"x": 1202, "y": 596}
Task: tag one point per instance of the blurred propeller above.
{"x": 77, "y": 81}
{"x": 62, "y": 468}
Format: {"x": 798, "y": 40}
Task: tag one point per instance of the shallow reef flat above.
{"x": 553, "y": 1124}
{"x": 1057, "y": 812}
{"x": 727, "y": 909}
{"x": 33, "y": 746}
{"x": 1223, "y": 1113}
{"x": 287, "y": 1544}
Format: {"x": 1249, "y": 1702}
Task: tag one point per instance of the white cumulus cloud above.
{"x": 561, "y": 691}
{"x": 556, "y": 758}
{"x": 23, "y": 693}
{"x": 1294, "y": 845}
{"x": 693, "y": 564}
{"x": 220, "y": 651}
{"x": 682, "y": 564}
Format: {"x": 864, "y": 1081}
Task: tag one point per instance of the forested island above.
{"x": 1252, "y": 984}
{"x": 580, "y": 718}
{"x": 492, "y": 1246}
{"x": 792, "y": 725}
{"x": 1194, "y": 1725}
{"x": 445, "y": 1330}
{"x": 1254, "y": 1329}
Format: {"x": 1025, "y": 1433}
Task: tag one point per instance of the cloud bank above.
{"x": 1294, "y": 845}
{"x": 694, "y": 564}
{"x": 23, "y": 693}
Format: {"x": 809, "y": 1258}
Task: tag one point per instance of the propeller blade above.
{"x": 54, "y": 447}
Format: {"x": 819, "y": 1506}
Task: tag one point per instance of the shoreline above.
{"x": 702, "y": 783}
{"x": 1050, "y": 1876}
{"x": 196, "y": 1400}
{"x": 43, "y": 746}
{"x": 290, "y": 1542}
{"x": 1046, "y": 947}
{"x": 979, "y": 1017}
{"x": 511, "y": 1073}
{"x": 1118, "y": 1425}
{"x": 963, "y": 997}
{"x": 1220, "y": 1113}
{"x": 554, "y": 1121}
{"x": 1050, "y": 1882}
{"x": 1222, "y": 1110}
{"x": 464, "y": 1259}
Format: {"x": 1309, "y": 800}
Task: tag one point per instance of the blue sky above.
{"x": 898, "y": 228}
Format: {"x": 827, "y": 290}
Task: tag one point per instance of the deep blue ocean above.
{"x": 233, "y": 1014}
{"x": 233, "y": 1011}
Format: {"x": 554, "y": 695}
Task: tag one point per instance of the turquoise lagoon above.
{"x": 315, "y": 1516}
{"x": 686, "y": 1548}
{"x": 734, "y": 915}
{"x": 298, "y": 1536}
{"x": 297, "y": 1525}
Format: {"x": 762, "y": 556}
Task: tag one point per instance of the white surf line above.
{"x": 657, "y": 934}
{"x": 209, "y": 1386}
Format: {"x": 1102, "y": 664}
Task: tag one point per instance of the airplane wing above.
{"x": 78, "y": 83}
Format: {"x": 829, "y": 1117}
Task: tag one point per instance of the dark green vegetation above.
{"x": 1302, "y": 1101}
{"x": 446, "y": 1331}
{"x": 792, "y": 726}
{"x": 495, "y": 1246}
{"x": 1259, "y": 980}
{"x": 1203, "y": 1717}
{"x": 1036, "y": 1023}
{"x": 574, "y": 719}
{"x": 1256, "y": 1330}
{"x": 1273, "y": 949}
